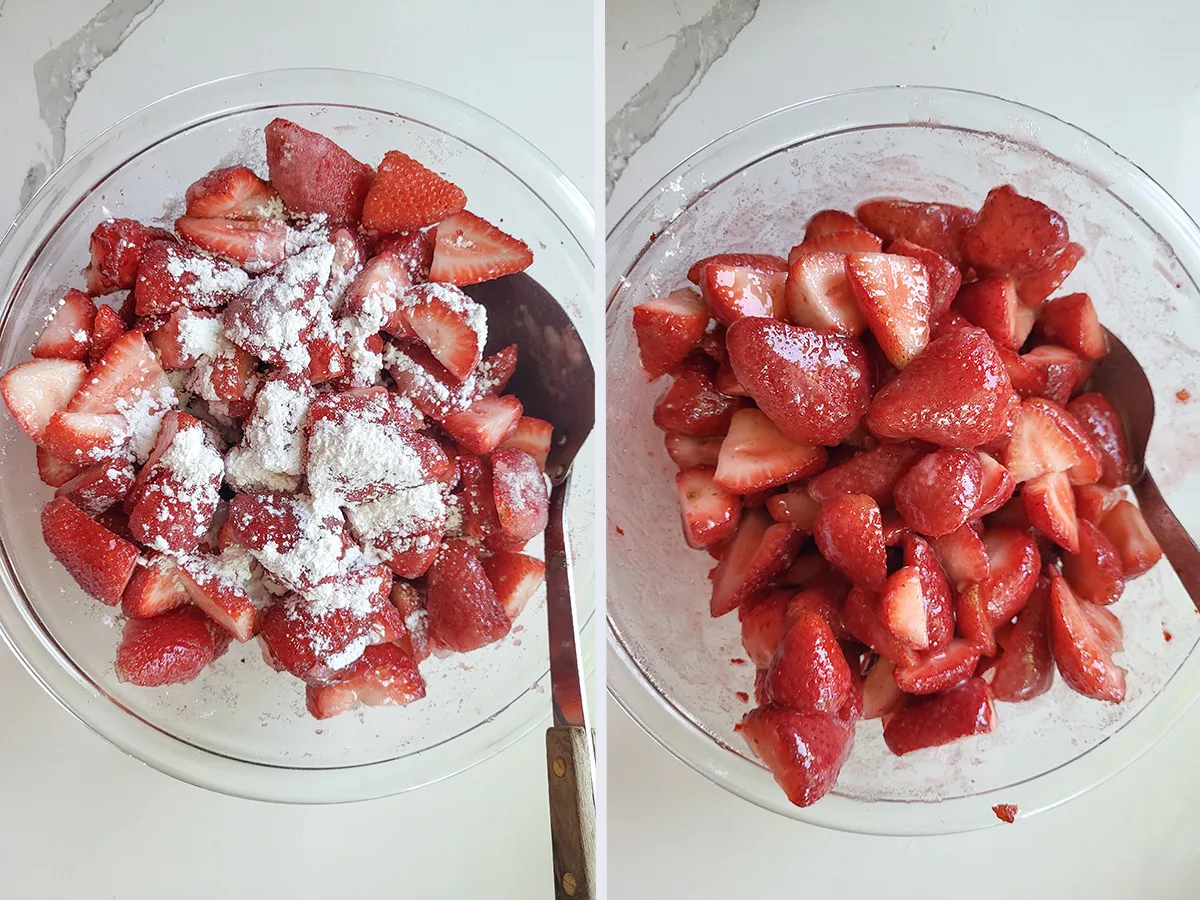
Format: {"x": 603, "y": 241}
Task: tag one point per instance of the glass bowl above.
{"x": 753, "y": 190}
{"x": 241, "y": 728}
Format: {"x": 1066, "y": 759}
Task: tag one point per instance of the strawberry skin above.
{"x": 172, "y": 648}
{"x": 693, "y": 406}
{"x": 1026, "y": 667}
{"x": 1013, "y": 565}
{"x": 849, "y": 533}
{"x": 759, "y": 550}
{"x": 519, "y": 489}
{"x": 809, "y": 672}
{"x": 117, "y": 246}
{"x": 233, "y": 192}
{"x": 99, "y": 560}
{"x": 763, "y": 263}
{"x": 938, "y": 494}
{"x": 992, "y": 304}
{"x": 831, "y": 221}
{"x": 873, "y": 472}
{"x": 406, "y": 196}
{"x": 464, "y": 611}
{"x": 1071, "y": 322}
{"x": 941, "y": 719}
{"x": 1084, "y": 661}
{"x": 1095, "y": 572}
{"x": 804, "y": 752}
{"x": 68, "y": 333}
{"x": 469, "y": 250}
{"x": 763, "y": 626}
{"x": 893, "y": 294}
{"x": 1102, "y": 425}
{"x": 1034, "y": 287}
{"x": 936, "y": 226}
{"x": 710, "y": 513}
{"x": 314, "y": 175}
{"x": 106, "y": 328}
{"x": 1013, "y": 234}
{"x": 668, "y": 328}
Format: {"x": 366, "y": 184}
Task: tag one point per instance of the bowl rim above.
{"x": 737, "y": 773}
{"x": 38, "y": 651}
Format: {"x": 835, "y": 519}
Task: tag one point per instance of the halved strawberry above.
{"x": 515, "y": 577}
{"x": 35, "y": 391}
{"x": 796, "y": 507}
{"x": 818, "y": 294}
{"x": 172, "y": 276}
{"x": 468, "y": 250}
{"x": 862, "y": 619}
{"x": 1042, "y": 442}
{"x": 831, "y": 221}
{"x": 893, "y": 294}
{"x": 172, "y": 648}
{"x": 233, "y": 192}
{"x": 534, "y": 436}
{"x": 255, "y": 246}
{"x": 1079, "y": 650}
{"x": 944, "y": 277}
{"x": 406, "y": 196}
{"x": 763, "y": 625}
{"x": 1014, "y": 234}
{"x": 1026, "y": 667}
{"x": 129, "y": 372}
{"x": 974, "y": 622}
{"x": 445, "y": 320}
{"x": 881, "y": 694}
{"x": 1107, "y": 625}
{"x": 873, "y": 472}
{"x": 939, "y": 670}
{"x": 100, "y": 486}
{"x": 1135, "y": 543}
{"x": 755, "y": 455}
{"x": 68, "y": 332}
{"x": 735, "y": 292}
{"x": 154, "y": 588}
{"x": 992, "y": 304}
{"x": 902, "y": 607}
{"x": 385, "y": 675}
{"x": 1095, "y": 572}
{"x": 173, "y": 339}
{"x": 1071, "y": 322}
{"x": 692, "y": 405}
{"x": 116, "y": 247}
{"x": 938, "y": 226}
{"x": 963, "y": 555}
{"x": 808, "y": 672}
{"x": 1035, "y": 286}
{"x": 519, "y": 488}
{"x": 485, "y": 424}
{"x": 414, "y": 250}
{"x": 853, "y": 240}
{"x": 313, "y": 174}
{"x": 763, "y": 263}
{"x": 941, "y": 719}
{"x": 935, "y": 590}
{"x": 940, "y": 492}
{"x": 849, "y": 533}
{"x": 1093, "y": 501}
{"x": 106, "y": 328}
{"x": 100, "y": 561}
{"x": 85, "y": 437}
{"x": 1051, "y": 373}
{"x": 687, "y": 451}
{"x": 823, "y": 596}
{"x": 759, "y": 550}
{"x": 174, "y": 507}
{"x": 1100, "y": 422}
{"x": 998, "y": 486}
{"x": 668, "y": 328}
{"x": 54, "y": 471}
{"x": 710, "y": 513}
{"x": 805, "y": 752}
{"x": 465, "y": 612}
{"x": 814, "y": 385}
{"x": 1050, "y": 505}
{"x": 1013, "y": 565}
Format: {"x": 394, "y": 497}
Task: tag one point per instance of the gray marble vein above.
{"x": 697, "y": 47}
{"x": 64, "y": 70}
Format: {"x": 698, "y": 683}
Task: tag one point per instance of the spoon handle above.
{"x": 572, "y": 812}
{"x": 1181, "y": 551}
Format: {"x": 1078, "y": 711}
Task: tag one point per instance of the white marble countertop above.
{"x": 1126, "y": 75}
{"x": 82, "y": 820}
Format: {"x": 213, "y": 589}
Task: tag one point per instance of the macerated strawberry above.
{"x": 759, "y": 550}
{"x": 515, "y": 578}
{"x": 1093, "y": 501}
{"x": 831, "y": 221}
{"x": 808, "y": 672}
{"x": 534, "y": 436}
{"x": 893, "y": 294}
{"x": 902, "y": 608}
{"x": 172, "y": 648}
{"x": 668, "y": 328}
{"x": 485, "y": 424}
{"x": 804, "y": 751}
{"x": 254, "y": 245}
{"x": 1042, "y": 443}
{"x": 154, "y": 588}
{"x": 763, "y": 263}
{"x": 873, "y": 472}
{"x": 733, "y": 292}
{"x": 963, "y": 556}
{"x": 763, "y": 625}
{"x": 940, "y": 492}
{"x": 100, "y": 486}
{"x": 385, "y": 675}
{"x": 68, "y": 332}
{"x": 937, "y": 226}
{"x": 406, "y": 196}
{"x": 812, "y": 384}
{"x": 849, "y": 533}
{"x": 881, "y": 694}
{"x": 313, "y": 174}
{"x": 755, "y": 455}
{"x": 1013, "y": 234}
{"x": 1051, "y": 372}
{"x": 1050, "y": 505}
{"x": 992, "y": 304}
{"x": 823, "y": 596}
{"x": 35, "y": 391}
{"x": 935, "y": 590}
{"x": 53, "y": 471}
{"x": 817, "y": 294}
{"x": 853, "y": 240}
{"x": 1135, "y": 543}
{"x": 796, "y": 507}
{"x": 233, "y": 192}
{"x": 117, "y": 246}
{"x": 1026, "y": 667}
{"x": 1071, "y": 322}
{"x": 941, "y": 719}
{"x": 687, "y": 451}
{"x": 692, "y": 405}
{"x": 1035, "y": 286}
{"x": 1100, "y": 422}
{"x": 1095, "y": 572}
{"x": 468, "y": 250}
{"x": 863, "y": 620}
{"x": 1013, "y": 565}
{"x": 107, "y": 326}
{"x": 998, "y": 486}
{"x": 465, "y": 612}
{"x": 944, "y": 277}
{"x": 522, "y": 500}
{"x": 938, "y": 670}
{"x": 710, "y": 513}
{"x": 1083, "y": 659}
{"x": 100, "y": 561}
{"x": 727, "y": 382}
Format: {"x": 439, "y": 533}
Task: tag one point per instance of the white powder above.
{"x": 143, "y": 418}
{"x": 209, "y": 281}
{"x": 453, "y": 298}
{"x": 365, "y": 364}
{"x": 201, "y": 335}
{"x": 355, "y": 592}
{"x": 275, "y": 433}
{"x": 193, "y": 462}
{"x": 80, "y": 337}
{"x": 454, "y": 517}
{"x": 315, "y": 233}
{"x": 244, "y": 472}
{"x": 312, "y": 554}
{"x": 406, "y": 513}
{"x": 350, "y": 655}
{"x": 348, "y": 457}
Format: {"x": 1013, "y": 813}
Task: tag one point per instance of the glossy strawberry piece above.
{"x": 1101, "y": 423}
{"x": 668, "y": 328}
{"x": 824, "y": 597}
{"x": 853, "y": 240}
{"x": 893, "y": 293}
{"x": 1035, "y": 286}
{"x": 863, "y": 620}
{"x": 1095, "y": 573}
{"x": 944, "y": 277}
{"x": 849, "y": 533}
{"x": 1072, "y": 322}
{"x": 172, "y": 648}
{"x": 522, "y": 500}
{"x": 935, "y": 590}
{"x": 35, "y": 391}
{"x": 515, "y": 578}
{"x": 818, "y": 295}
{"x": 939, "y": 670}
{"x": 464, "y": 611}
{"x": 763, "y": 263}
{"x": 106, "y": 328}
{"x": 100, "y": 561}
{"x": 998, "y": 486}
{"x": 831, "y": 221}
{"x": 117, "y": 246}
{"x": 1080, "y": 651}
{"x": 407, "y": 196}
{"x": 1051, "y": 372}
{"x": 313, "y": 174}
{"x": 902, "y": 608}
{"x": 873, "y": 472}
{"x": 937, "y": 226}
{"x": 881, "y": 694}
{"x": 1013, "y": 565}
{"x": 805, "y": 752}
{"x": 796, "y": 507}
{"x": 1026, "y": 667}
{"x": 763, "y": 626}
{"x": 485, "y": 424}
{"x": 809, "y": 672}
{"x": 1044, "y": 441}
{"x": 941, "y": 719}
{"x": 963, "y": 556}
{"x": 755, "y": 455}
{"x": 1014, "y": 234}
{"x": 1093, "y": 501}
{"x": 992, "y": 304}
{"x": 734, "y": 292}
{"x": 938, "y": 494}
{"x": 687, "y": 451}
{"x": 1050, "y": 505}
{"x": 385, "y": 675}
{"x": 692, "y": 405}
{"x": 710, "y": 513}
{"x": 1136, "y": 545}
{"x": 759, "y": 550}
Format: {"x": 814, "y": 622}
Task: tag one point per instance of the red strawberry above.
{"x": 831, "y": 221}
{"x": 84, "y": 437}
{"x": 733, "y": 292}
{"x": 956, "y": 394}
{"x": 1071, "y": 322}
{"x": 1013, "y": 565}
{"x": 948, "y": 321}
{"x": 998, "y": 486}
{"x": 519, "y": 488}
{"x": 796, "y": 507}
{"x": 154, "y": 589}
{"x": 710, "y": 514}
{"x": 1079, "y": 650}
{"x": 170, "y": 339}
{"x": 464, "y": 610}
{"x": 1014, "y": 234}
{"x": 54, "y": 471}
{"x": 893, "y": 293}
{"x": 808, "y": 672}
{"x": 763, "y": 263}
{"x": 824, "y": 596}
{"x": 992, "y": 304}
{"x": 856, "y": 240}
{"x": 938, "y": 494}
{"x": 944, "y": 277}
{"x": 1043, "y": 441}
{"x": 172, "y": 276}
{"x": 873, "y": 472}
{"x": 963, "y": 555}
{"x": 1100, "y": 422}
{"x": 233, "y": 192}
{"x": 818, "y": 295}
{"x": 515, "y": 577}
{"x": 1052, "y": 372}
{"x": 99, "y": 560}
{"x": 406, "y": 196}
{"x": 35, "y": 391}
{"x": 255, "y": 246}
{"x": 763, "y": 625}
{"x": 385, "y": 675}
{"x": 1095, "y": 572}
{"x": 128, "y": 372}
{"x": 805, "y": 752}
{"x": 692, "y": 405}
{"x": 1050, "y": 505}
{"x": 477, "y": 498}
{"x": 376, "y": 293}
{"x": 687, "y": 451}
{"x": 414, "y": 250}
{"x": 941, "y": 719}
{"x": 172, "y": 648}
{"x": 68, "y": 333}
{"x": 759, "y": 550}
{"x": 1107, "y": 625}
{"x": 1026, "y": 667}
{"x": 443, "y": 317}
{"x": 937, "y": 226}
{"x": 862, "y": 619}
{"x": 100, "y": 486}
{"x": 106, "y": 328}
{"x": 755, "y": 455}
{"x": 881, "y": 694}
{"x": 1137, "y": 546}
{"x": 313, "y": 174}
{"x": 935, "y": 590}
{"x": 117, "y": 246}
{"x": 940, "y": 670}
{"x": 1034, "y": 287}
{"x": 468, "y": 250}
{"x": 534, "y": 437}
{"x": 175, "y": 504}
{"x": 849, "y": 533}
{"x": 902, "y": 607}
{"x": 285, "y": 533}
{"x": 813, "y": 385}
{"x": 973, "y": 620}
{"x": 1093, "y": 501}
{"x": 221, "y": 597}
{"x": 668, "y": 328}
{"x": 485, "y": 424}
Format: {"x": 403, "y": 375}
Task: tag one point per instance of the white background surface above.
{"x": 79, "y": 819}
{"x": 1129, "y": 76}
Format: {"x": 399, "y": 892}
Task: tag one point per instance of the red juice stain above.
{"x": 1167, "y": 635}
{"x": 619, "y": 530}
{"x": 1183, "y": 396}
{"x": 738, "y": 661}
{"x": 743, "y": 696}
{"x": 1005, "y": 812}
{"x": 737, "y": 726}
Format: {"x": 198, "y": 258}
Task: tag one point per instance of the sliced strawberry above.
{"x": 687, "y": 451}
{"x": 172, "y": 276}
{"x": 956, "y": 394}
{"x": 100, "y": 486}
{"x": 944, "y": 277}
{"x": 710, "y": 513}
{"x": 818, "y": 295}
{"x": 299, "y": 546}
{"x": 100, "y": 561}
{"x": 849, "y": 533}
{"x": 942, "y": 719}
{"x": 998, "y": 486}
{"x": 755, "y": 455}
{"x": 937, "y": 226}
{"x": 973, "y": 620}
{"x": 948, "y": 321}
{"x": 464, "y": 611}
{"x": 763, "y": 626}
{"x": 760, "y": 549}
{"x": 173, "y": 340}
{"x": 1042, "y": 441}
{"x": 1050, "y": 505}
{"x": 763, "y": 263}
{"x": 1071, "y": 322}
{"x": 128, "y": 372}
{"x": 873, "y": 472}
{"x": 1079, "y": 650}
{"x": 1026, "y": 667}
{"x": 831, "y": 221}
{"x": 154, "y": 589}
{"x": 1093, "y": 501}
{"x": 84, "y": 437}
{"x": 796, "y": 507}
{"x": 1095, "y": 573}
{"x": 313, "y": 174}
{"x": 534, "y": 436}
{"x": 172, "y": 648}
{"x": 1051, "y": 372}
{"x": 963, "y": 555}
{"x": 116, "y": 247}
{"x": 1100, "y": 422}
{"x": 1014, "y": 234}
{"x": 385, "y": 675}
{"x": 447, "y": 322}
{"x": 668, "y": 328}
{"x": 862, "y": 619}
{"x": 855, "y": 240}
{"x": 485, "y": 424}
{"x": 935, "y": 590}
{"x": 233, "y": 192}
{"x": 54, "y": 471}
{"x": 692, "y": 405}
{"x": 804, "y": 752}
{"x": 893, "y": 294}
{"x": 1136, "y": 544}
{"x": 405, "y": 196}
{"x": 902, "y": 607}
{"x": 106, "y": 328}
{"x": 255, "y": 246}
{"x": 940, "y": 670}
{"x": 940, "y": 492}
{"x": 519, "y": 488}
{"x": 35, "y": 391}
{"x": 734, "y": 292}
{"x": 823, "y": 596}
{"x": 1107, "y": 625}
{"x": 1035, "y": 286}
{"x": 414, "y": 250}
{"x": 1013, "y": 565}
{"x": 881, "y": 694}
{"x": 812, "y": 384}
{"x": 515, "y": 577}
{"x": 68, "y": 333}
{"x": 468, "y": 250}
{"x": 992, "y": 304}
{"x": 176, "y": 502}
{"x": 377, "y": 292}
{"x": 809, "y": 672}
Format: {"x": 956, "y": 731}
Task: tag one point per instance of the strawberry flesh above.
{"x": 849, "y": 533}
{"x": 755, "y": 455}
{"x": 893, "y": 294}
{"x": 805, "y": 752}
{"x": 1014, "y": 234}
{"x": 172, "y": 648}
{"x": 710, "y": 513}
{"x": 941, "y": 719}
{"x": 668, "y": 328}
{"x": 809, "y": 672}
{"x": 938, "y": 494}
{"x": 1083, "y": 659}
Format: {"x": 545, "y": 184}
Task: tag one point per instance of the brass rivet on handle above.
{"x": 560, "y": 769}
{"x": 569, "y": 884}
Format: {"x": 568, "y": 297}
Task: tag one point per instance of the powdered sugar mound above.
{"x": 245, "y": 472}
{"x": 365, "y": 363}
{"x": 192, "y": 460}
{"x": 406, "y": 514}
{"x": 315, "y": 233}
{"x": 212, "y": 280}
{"x": 356, "y": 593}
{"x": 351, "y": 456}
{"x": 274, "y": 434}
{"x": 349, "y": 655}
{"x": 143, "y": 418}
{"x": 313, "y": 554}
{"x": 202, "y": 336}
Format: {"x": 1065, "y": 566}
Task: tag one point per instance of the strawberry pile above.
{"x": 277, "y": 420}
{"x": 887, "y": 443}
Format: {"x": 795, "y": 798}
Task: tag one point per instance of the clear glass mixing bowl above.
{"x": 241, "y": 728}
{"x": 753, "y": 190}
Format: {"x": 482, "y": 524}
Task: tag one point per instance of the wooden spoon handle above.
{"x": 1181, "y": 551}
{"x": 572, "y": 812}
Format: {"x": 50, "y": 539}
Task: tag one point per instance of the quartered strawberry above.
{"x": 854, "y": 240}
{"x": 286, "y": 534}
{"x": 1044, "y": 440}
{"x": 128, "y": 372}
{"x": 808, "y": 672}
{"x": 172, "y": 276}
{"x": 668, "y": 328}
{"x": 763, "y": 263}
{"x": 939, "y": 670}
{"x": 465, "y": 612}
{"x": 710, "y": 513}
{"x": 796, "y": 507}
{"x": 805, "y": 752}
{"x": 1095, "y": 573}
{"x": 1014, "y": 234}
{"x": 1100, "y": 422}
{"x": 116, "y": 246}
{"x": 941, "y": 719}
{"x": 1136, "y": 545}
{"x": 893, "y": 294}
{"x": 763, "y": 626}
{"x": 687, "y": 451}
{"x": 973, "y": 621}
{"x": 1107, "y": 625}
{"x": 1035, "y": 286}
{"x": 100, "y": 561}
{"x": 992, "y": 304}
{"x": 255, "y": 246}
{"x": 1083, "y": 658}
{"x": 944, "y": 277}
{"x": 414, "y": 250}
{"x": 956, "y": 394}
{"x": 817, "y": 294}
{"x": 963, "y": 556}
{"x": 233, "y": 192}
{"x": 873, "y": 472}
{"x": 68, "y": 333}
{"x": 755, "y": 455}
{"x": 35, "y": 391}
{"x": 831, "y": 221}
{"x": 759, "y": 550}
{"x": 515, "y": 578}
{"x": 406, "y": 196}
{"x": 53, "y": 471}
{"x": 823, "y": 596}
{"x": 1051, "y": 372}
{"x": 522, "y": 502}
{"x": 485, "y": 424}
{"x": 1026, "y": 667}
{"x": 940, "y": 492}
{"x": 1013, "y": 566}
{"x": 84, "y": 437}
{"x": 174, "y": 506}
{"x": 902, "y": 608}
{"x": 814, "y": 385}
{"x": 733, "y": 292}
{"x": 468, "y": 250}
{"x": 154, "y": 589}
{"x": 863, "y": 620}
{"x": 1050, "y": 505}
{"x": 849, "y": 533}
{"x": 1093, "y": 501}
{"x": 385, "y": 675}
{"x": 937, "y": 226}
{"x": 935, "y": 590}
{"x": 998, "y": 486}
{"x": 1071, "y": 322}
{"x": 534, "y": 436}
{"x": 376, "y": 294}
{"x": 881, "y": 694}
{"x": 100, "y": 486}
{"x": 172, "y": 648}
{"x": 313, "y": 174}
{"x": 692, "y": 405}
